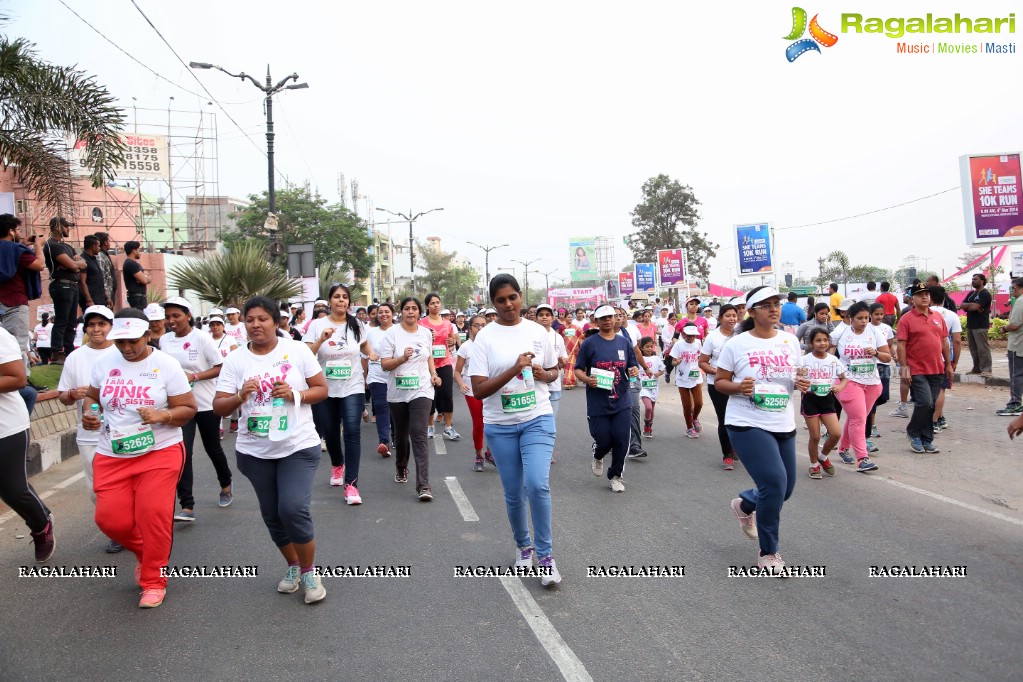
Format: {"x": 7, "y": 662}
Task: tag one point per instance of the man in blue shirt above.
{"x": 792, "y": 314}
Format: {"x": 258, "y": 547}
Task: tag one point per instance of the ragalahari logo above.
{"x": 802, "y": 45}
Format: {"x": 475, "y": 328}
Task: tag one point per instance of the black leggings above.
{"x": 209, "y": 430}
{"x": 720, "y": 401}
{"x": 442, "y": 400}
{"x": 15, "y": 490}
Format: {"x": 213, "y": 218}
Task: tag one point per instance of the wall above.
{"x": 53, "y": 431}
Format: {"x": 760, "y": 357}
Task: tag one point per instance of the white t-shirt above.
{"x": 236, "y": 332}
{"x": 712, "y": 323}
{"x": 648, "y": 384}
{"x": 822, "y": 372}
{"x": 225, "y": 344}
{"x": 465, "y": 352}
{"x": 376, "y": 374}
{"x": 43, "y": 336}
{"x": 712, "y": 346}
{"x": 340, "y": 356}
{"x": 667, "y": 333}
{"x": 79, "y": 335}
{"x": 126, "y": 386}
{"x": 497, "y": 348}
{"x": 411, "y": 379}
{"x": 952, "y": 323}
{"x": 687, "y": 362}
{"x": 579, "y": 325}
{"x": 837, "y": 332}
{"x": 560, "y": 352}
{"x": 772, "y": 363}
{"x": 860, "y": 367}
{"x": 195, "y": 352}
{"x": 77, "y": 372}
{"x": 13, "y": 412}
{"x": 291, "y": 362}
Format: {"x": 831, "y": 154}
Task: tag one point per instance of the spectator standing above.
{"x": 90, "y": 280}
{"x": 64, "y": 267}
{"x": 792, "y": 315}
{"x": 890, "y": 302}
{"x": 977, "y": 305}
{"x": 835, "y": 299}
{"x": 107, "y": 266}
{"x": 924, "y": 363}
{"x": 136, "y": 279}
{"x": 1014, "y": 332}
{"x": 20, "y": 264}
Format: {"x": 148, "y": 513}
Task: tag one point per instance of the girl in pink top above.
{"x": 445, "y": 338}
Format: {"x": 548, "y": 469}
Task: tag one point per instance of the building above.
{"x": 379, "y": 285}
{"x": 209, "y": 218}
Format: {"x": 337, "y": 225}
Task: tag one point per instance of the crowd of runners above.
{"x": 290, "y": 388}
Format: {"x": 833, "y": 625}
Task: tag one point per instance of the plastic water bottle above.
{"x": 279, "y": 416}
{"x": 94, "y": 410}
{"x": 527, "y": 376}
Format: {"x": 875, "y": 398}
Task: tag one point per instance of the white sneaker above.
{"x": 337, "y": 475}
{"x": 747, "y": 522}
{"x": 524, "y": 557}
{"x": 429, "y": 432}
{"x": 597, "y": 466}
{"x": 291, "y": 580}
{"x": 773, "y": 564}
{"x": 616, "y": 485}
{"x": 314, "y": 589}
{"x": 554, "y": 578}
{"x": 323, "y": 445}
{"x": 899, "y": 411}
{"x": 451, "y": 434}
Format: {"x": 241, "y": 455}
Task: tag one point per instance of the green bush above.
{"x": 997, "y": 329}
{"x": 962, "y": 322}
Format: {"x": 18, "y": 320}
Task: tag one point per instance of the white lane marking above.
{"x": 42, "y": 496}
{"x": 572, "y": 669}
{"x": 949, "y": 500}
{"x": 77, "y": 477}
{"x": 438, "y": 444}
{"x": 460, "y": 498}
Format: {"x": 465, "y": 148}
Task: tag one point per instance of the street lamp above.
{"x": 525, "y": 267}
{"x": 488, "y": 248}
{"x": 269, "y": 89}
{"x": 411, "y": 247}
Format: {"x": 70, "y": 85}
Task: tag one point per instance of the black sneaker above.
{"x": 44, "y": 542}
{"x": 425, "y": 495}
{"x": 113, "y": 547}
{"x": 401, "y": 476}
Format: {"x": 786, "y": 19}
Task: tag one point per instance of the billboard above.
{"x": 582, "y": 258}
{"x": 646, "y": 277}
{"x": 670, "y": 268}
{"x": 991, "y": 198}
{"x": 145, "y": 157}
{"x": 753, "y": 248}
{"x": 626, "y": 283}
{"x": 586, "y": 297}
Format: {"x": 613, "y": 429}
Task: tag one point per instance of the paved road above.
{"x": 704, "y": 625}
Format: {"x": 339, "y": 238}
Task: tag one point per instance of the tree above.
{"x": 455, "y": 282}
{"x": 328, "y": 276}
{"x": 837, "y": 269}
{"x": 40, "y": 104}
{"x": 666, "y": 205}
{"x": 338, "y": 236}
{"x": 868, "y": 273}
{"x": 231, "y": 279}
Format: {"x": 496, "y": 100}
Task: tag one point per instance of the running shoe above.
{"x": 451, "y": 434}
{"x": 597, "y": 466}
{"x": 478, "y": 465}
{"x": 1010, "y": 410}
{"x": 875, "y": 432}
{"x": 185, "y": 515}
{"x": 930, "y": 449}
{"x": 747, "y": 522}
{"x": 871, "y": 447}
{"x": 429, "y": 432}
{"x": 697, "y": 425}
{"x": 728, "y": 464}
{"x": 152, "y": 598}
{"x": 44, "y": 542}
{"x": 773, "y": 564}
{"x": 636, "y": 454}
{"x": 865, "y": 465}
{"x": 616, "y": 485}
{"x": 221, "y": 433}
{"x": 846, "y": 456}
{"x": 365, "y": 416}
{"x": 337, "y": 475}
{"x": 113, "y": 547}
{"x": 692, "y": 433}
{"x": 401, "y": 476}
{"x": 225, "y": 499}
{"x": 314, "y": 590}
{"x": 900, "y": 411}
{"x": 524, "y": 558}
{"x": 815, "y": 472}
{"x": 291, "y": 580}
{"x": 936, "y": 426}
{"x": 916, "y": 445}
{"x": 425, "y": 495}
{"x": 647, "y": 433}
{"x": 554, "y": 577}
{"x": 383, "y": 450}
{"x": 352, "y": 494}
{"x": 828, "y": 467}
{"x": 234, "y": 426}
{"x": 944, "y": 424}
{"x": 323, "y": 445}
{"x": 489, "y": 457}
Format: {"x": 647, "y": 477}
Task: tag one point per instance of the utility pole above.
{"x": 525, "y": 268}
{"x": 411, "y": 240}
{"x": 547, "y": 278}
{"x": 487, "y": 249}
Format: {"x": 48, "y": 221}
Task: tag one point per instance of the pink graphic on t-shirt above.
{"x": 115, "y": 372}
{"x": 186, "y": 345}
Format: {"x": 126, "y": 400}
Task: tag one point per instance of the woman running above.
{"x": 709, "y": 354}
{"x": 860, "y": 347}
{"x": 337, "y": 341}
{"x": 145, "y": 399}
{"x": 475, "y": 405}
{"x": 225, "y": 344}
{"x": 513, "y": 363}
{"x": 545, "y": 318}
{"x": 757, "y": 371}
{"x": 688, "y": 378}
{"x": 884, "y": 371}
{"x": 157, "y": 323}
{"x": 440, "y": 350}
{"x": 646, "y": 325}
{"x": 648, "y": 383}
{"x": 269, "y": 373}
{"x": 819, "y": 404}
{"x": 411, "y": 382}
{"x": 376, "y": 377}
{"x": 667, "y": 337}
{"x": 196, "y": 352}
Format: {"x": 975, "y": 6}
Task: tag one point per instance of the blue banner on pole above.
{"x": 753, "y": 249}
{"x": 646, "y": 277}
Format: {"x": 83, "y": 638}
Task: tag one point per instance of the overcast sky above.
{"x": 534, "y": 122}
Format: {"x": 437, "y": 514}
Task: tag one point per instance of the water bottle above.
{"x": 94, "y": 410}
{"x": 279, "y": 415}
{"x": 527, "y": 376}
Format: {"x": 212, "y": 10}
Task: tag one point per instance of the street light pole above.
{"x": 488, "y": 248}
{"x": 411, "y": 247}
{"x": 525, "y": 268}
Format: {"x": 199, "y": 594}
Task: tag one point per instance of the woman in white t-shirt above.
{"x": 196, "y": 352}
{"x": 406, "y": 354}
{"x": 545, "y": 318}
{"x": 758, "y": 371}
{"x": 225, "y": 344}
{"x": 376, "y": 377}
{"x": 715, "y": 342}
{"x": 860, "y": 347}
{"x": 75, "y": 378}
{"x": 274, "y": 374}
{"x": 513, "y": 363}
{"x": 475, "y": 405}
{"x": 884, "y": 370}
{"x": 41, "y": 336}
{"x": 338, "y": 341}
{"x": 685, "y": 353}
{"x": 144, "y": 398}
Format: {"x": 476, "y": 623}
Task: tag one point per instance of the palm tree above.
{"x": 838, "y": 267}
{"x": 233, "y": 278}
{"x": 40, "y": 104}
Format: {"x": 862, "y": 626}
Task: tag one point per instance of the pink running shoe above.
{"x": 352, "y": 494}
{"x": 337, "y": 475}
{"x": 152, "y": 598}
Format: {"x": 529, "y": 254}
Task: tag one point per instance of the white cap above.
{"x": 320, "y": 301}
{"x": 737, "y": 300}
{"x": 846, "y": 304}
{"x": 154, "y": 312}
{"x": 100, "y": 310}
{"x": 445, "y": 312}
{"x": 489, "y": 311}
{"x": 544, "y": 306}
{"x": 216, "y": 311}
{"x": 215, "y": 318}
{"x": 761, "y": 294}
{"x": 180, "y": 302}
{"x": 233, "y": 311}
{"x": 604, "y": 311}
{"x": 691, "y": 330}
{"x": 128, "y": 328}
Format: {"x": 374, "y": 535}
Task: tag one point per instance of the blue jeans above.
{"x": 382, "y": 412}
{"x": 555, "y": 403}
{"x": 284, "y": 488}
{"x": 770, "y": 460}
{"x": 523, "y": 456}
{"x": 333, "y": 413}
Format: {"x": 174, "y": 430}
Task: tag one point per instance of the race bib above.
{"x": 439, "y": 350}
{"x": 862, "y": 366}
{"x": 518, "y": 402}
{"x": 650, "y": 383}
{"x": 770, "y": 397}
{"x": 406, "y": 382}
{"x": 605, "y": 378}
{"x": 462, "y": 336}
{"x": 339, "y": 370}
{"x": 258, "y": 423}
{"x": 570, "y": 331}
{"x": 133, "y": 441}
{"x": 821, "y": 388}
{"x": 694, "y": 373}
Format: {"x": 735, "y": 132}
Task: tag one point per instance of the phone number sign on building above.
{"x": 145, "y": 157}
